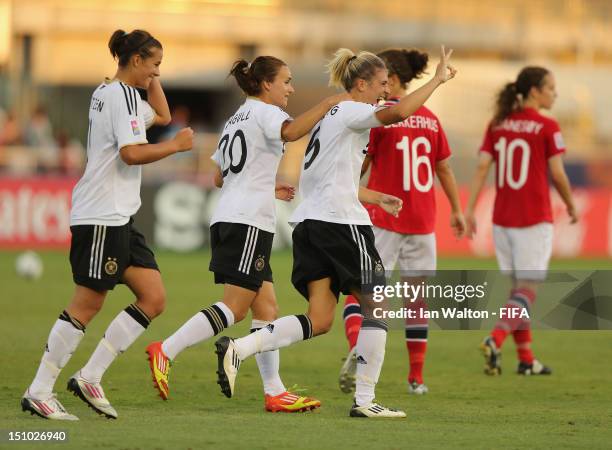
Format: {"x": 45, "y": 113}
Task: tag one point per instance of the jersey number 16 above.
{"x": 412, "y": 161}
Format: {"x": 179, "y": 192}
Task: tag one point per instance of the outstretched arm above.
{"x": 410, "y": 103}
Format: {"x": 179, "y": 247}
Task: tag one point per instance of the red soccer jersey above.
{"x": 404, "y": 157}
{"x": 521, "y": 146}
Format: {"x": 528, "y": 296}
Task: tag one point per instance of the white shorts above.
{"x": 414, "y": 253}
{"x": 524, "y": 252}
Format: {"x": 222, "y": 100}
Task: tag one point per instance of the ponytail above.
{"x": 123, "y": 45}
{"x": 250, "y": 76}
{"x": 346, "y": 67}
{"x": 510, "y": 98}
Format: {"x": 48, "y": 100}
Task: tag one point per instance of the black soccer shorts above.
{"x": 240, "y": 255}
{"x": 99, "y": 254}
{"x": 343, "y": 252}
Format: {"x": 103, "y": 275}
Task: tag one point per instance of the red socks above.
{"x": 519, "y": 327}
{"x": 352, "y": 320}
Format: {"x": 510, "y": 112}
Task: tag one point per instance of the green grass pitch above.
{"x": 464, "y": 409}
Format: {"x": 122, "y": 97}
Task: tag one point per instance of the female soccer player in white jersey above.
{"x": 333, "y": 244}
{"x": 404, "y": 158}
{"x": 243, "y": 224}
{"x": 106, "y": 249}
{"x": 525, "y": 146}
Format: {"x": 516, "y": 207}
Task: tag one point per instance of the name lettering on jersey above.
{"x": 426, "y": 123}
{"x": 239, "y": 117}
{"x": 520, "y": 126}
{"x": 97, "y": 104}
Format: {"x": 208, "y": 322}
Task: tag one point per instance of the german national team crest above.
{"x": 111, "y": 266}
{"x": 379, "y": 269}
{"x": 259, "y": 264}
{"x": 135, "y": 127}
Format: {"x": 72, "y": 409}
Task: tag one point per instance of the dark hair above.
{"x": 510, "y": 97}
{"x": 123, "y": 45}
{"x": 406, "y": 64}
{"x": 250, "y": 76}
{"x": 346, "y": 67}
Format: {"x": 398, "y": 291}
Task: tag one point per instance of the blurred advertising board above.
{"x": 35, "y": 213}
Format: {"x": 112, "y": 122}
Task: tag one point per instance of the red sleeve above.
{"x": 443, "y": 148}
{"x": 487, "y": 142}
{"x": 553, "y": 139}
{"x": 374, "y": 138}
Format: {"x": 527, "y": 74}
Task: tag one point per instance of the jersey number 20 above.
{"x": 412, "y": 161}
{"x": 223, "y": 145}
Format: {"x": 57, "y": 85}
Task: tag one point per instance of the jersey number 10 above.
{"x": 412, "y": 161}
{"x": 505, "y": 162}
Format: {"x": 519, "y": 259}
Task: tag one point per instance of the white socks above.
{"x": 120, "y": 334}
{"x": 204, "y": 325}
{"x": 65, "y": 336}
{"x": 268, "y": 364}
{"x": 280, "y": 333}
{"x": 370, "y": 351}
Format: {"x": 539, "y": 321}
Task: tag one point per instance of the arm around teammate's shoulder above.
{"x": 302, "y": 124}
{"x": 138, "y": 154}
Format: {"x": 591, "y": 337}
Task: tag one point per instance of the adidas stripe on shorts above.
{"x": 343, "y": 252}
{"x": 240, "y": 255}
{"x": 99, "y": 254}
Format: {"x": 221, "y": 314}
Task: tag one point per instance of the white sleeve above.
{"x": 216, "y": 157}
{"x": 127, "y": 117}
{"x": 271, "y": 119}
{"x": 148, "y": 114}
{"x": 359, "y": 116}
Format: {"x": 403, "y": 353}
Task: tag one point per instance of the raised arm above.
{"x": 449, "y": 184}
{"x": 138, "y": 154}
{"x": 302, "y": 124}
{"x": 484, "y": 164}
{"x": 157, "y": 100}
{"x": 562, "y": 184}
{"x": 410, "y": 103}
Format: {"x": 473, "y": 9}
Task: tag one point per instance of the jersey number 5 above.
{"x": 223, "y": 145}
{"x": 412, "y": 161}
{"x": 505, "y": 162}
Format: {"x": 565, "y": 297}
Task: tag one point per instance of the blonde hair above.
{"x": 346, "y": 67}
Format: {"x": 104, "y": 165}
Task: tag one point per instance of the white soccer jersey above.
{"x": 329, "y": 183}
{"x": 108, "y": 193}
{"x": 248, "y": 154}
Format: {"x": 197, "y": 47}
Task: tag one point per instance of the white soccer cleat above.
{"x": 92, "y": 394}
{"x": 228, "y": 365}
{"x": 346, "y": 380}
{"x": 374, "y": 410}
{"x": 417, "y": 389}
{"x": 49, "y": 408}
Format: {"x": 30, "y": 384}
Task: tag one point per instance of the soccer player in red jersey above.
{"x": 404, "y": 158}
{"x": 525, "y": 146}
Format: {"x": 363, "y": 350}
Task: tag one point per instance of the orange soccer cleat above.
{"x": 290, "y": 402}
{"x": 159, "y": 364}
